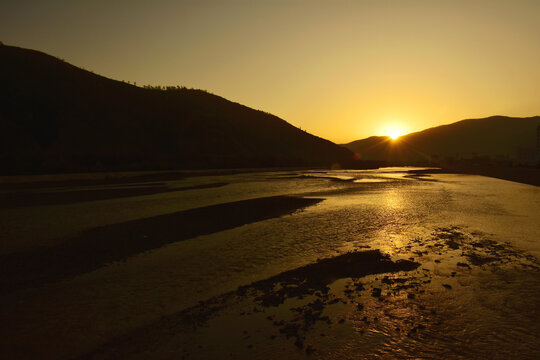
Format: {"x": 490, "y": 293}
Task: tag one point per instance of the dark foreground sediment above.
{"x": 308, "y": 281}
{"x": 340, "y": 307}
{"x": 99, "y": 246}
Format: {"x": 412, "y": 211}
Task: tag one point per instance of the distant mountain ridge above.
{"x": 496, "y": 139}
{"x": 55, "y": 117}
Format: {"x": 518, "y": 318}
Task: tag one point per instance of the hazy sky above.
{"x": 342, "y": 70}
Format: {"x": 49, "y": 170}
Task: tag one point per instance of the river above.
{"x": 474, "y": 294}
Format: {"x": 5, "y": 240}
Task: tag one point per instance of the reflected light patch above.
{"x": 392, "y": 199}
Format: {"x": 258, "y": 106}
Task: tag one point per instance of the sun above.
{"x": 394, "y": 131}
{"x": 394, "y": 134}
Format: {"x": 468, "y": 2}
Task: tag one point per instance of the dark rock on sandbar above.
{"x": 310, "y": 278}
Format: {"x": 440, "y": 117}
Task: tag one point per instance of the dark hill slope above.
{"x": 55, "y": 117}
{"x": 498, "y": 138}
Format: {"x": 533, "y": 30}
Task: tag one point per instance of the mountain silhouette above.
{"x": 497, "y": 140}
{"x": 56, "y": 117}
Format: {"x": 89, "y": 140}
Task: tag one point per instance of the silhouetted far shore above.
{"x": 525, "y": 175}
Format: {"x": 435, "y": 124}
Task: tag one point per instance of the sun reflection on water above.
{"x": 392, "y": 199}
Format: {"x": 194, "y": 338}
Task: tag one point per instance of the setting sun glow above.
{"x": 393, "y": 131}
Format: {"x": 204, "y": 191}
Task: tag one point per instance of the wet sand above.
{"x": 116, "y": 178}
{"x": 99, "y": 246}
{"x": 41, "y": 197}
{"x": 303, "y": 312}
{"x": 309, "y": 280}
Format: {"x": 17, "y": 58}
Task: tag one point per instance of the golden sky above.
{"x": 342, "y": 70}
